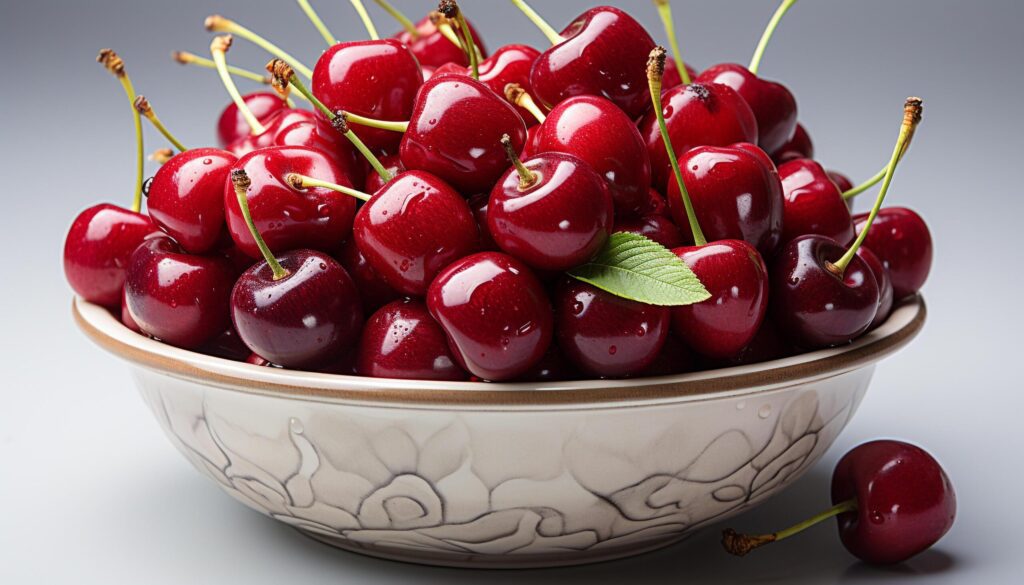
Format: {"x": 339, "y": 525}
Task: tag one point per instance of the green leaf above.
{"x": 634, "y": 267}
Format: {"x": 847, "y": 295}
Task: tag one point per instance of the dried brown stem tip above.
{"x": 161, "y": 155}
{"x": 240, "y": 179}
{"x": 514, "y": 92}
{"x": 656, "y": 64}
{"x": 740, "y": 544}
{"x": 111, "y": 61}
{"x": 449, "y": 8}
{"x": 215, "y": 22}
{"x": 280, "y": 76}
{"x": 182, "y": 57}
{"x": 221, "y": 43}
{"x": 340, "y": 122}
{"x": 912, "y": 110}
{"x": 142, "y": 106}
{"x": 295, "y": 181}
{"x": 436, "y": 18}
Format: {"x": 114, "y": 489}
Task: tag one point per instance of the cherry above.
{"x": 232, "y": 126}
{"x": 674, "y": 358}
{"x": 551, "y": 211}
{"x": 495, "y": 314}
{"x": 799, "y": 146}
{"x": 672, "y": 78}
{"x": 175, "y": 297}
{"x": 768, "y": 344}
{"x": 813, "y": 203}
{"x": 553, "y": 367}
{"x": 228, "y": 345}
{"x": 653, "y": 226}
{"x": 373, "y": 291}
{"x": 478, "y": 205}
{"x": 269, "y": 131}
{"x": 392, "y": 164}
{"x": 597, "y": 132}
{"x": 901, "y": 240}
{"x": 601, "y": 53}
{"x": 773, "y": 105}
{"x": 402, "y": 340}
{"x": 884, "y": 280}
{"x": 842, "y": 181}
{"x": 605, "y": 335}
{"x": 319, "y": 134}
{"x": 892, "y": 500}
{"x": 126, "y": 316}
{"x": 509, "y": 64}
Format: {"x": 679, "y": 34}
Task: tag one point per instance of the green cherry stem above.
{"x": 298, "y": 181}
{"x": 911, "y": 118}
{"x": 218, "y": 49}
{"x": 319, "y": 24}
{"x": 379, "y": 124}
{"x": 143, "y": 106}
{"x": 781, "y": 11}
{"x": 217, "y": 23}
{"x": 516, "y": 95}
{"x": 450, "y": 10}
{"x": 741, "y": 544}
{"x": 365, "y": 17}
{"x": 665, "y": 12}
{"x": 539, "y": 21}
{"x": 655, "y": 71}
{"x": 880, "y": 174}
{"x": 113, "y": 63}
{"x": 527, "y": 178}
{"x": 186, "y": 58}
{"x": 401, "y": 18}
{"x": 241, "y": 182}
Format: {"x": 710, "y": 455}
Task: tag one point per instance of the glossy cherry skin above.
{"x": 842, "y": 181}
{"x": 553, "y": 367}
{"x": 886, "y": 298}
{"x": 736, "y": 194}
{"x": 377, "y": 79}
{"x": 273, "y": 124}
{"x": 97, "y": 248}
{"x": 905, "y": 501}
{"x": 605, "y": 54}
{"x": 813, "y": 203}
{"x": 287, "y": 218}
{"x": 674, "y": 358}
{"x": 768, "y": 344}
{"x": 455, "y": 133}
{"x": 595, "y": 130}
{"x": 736, "y": 277}
{"x": 126, "y": 316}
{"x": 373, "y": 290}
{"x": 509, "y": 64}
{"x": 320, "y": 135}
{"x": 392, "y": 163}
{"x": 696, "y": 115}
{"x": 495, "y": 314}
{"x": 478, "y": 205}
{"x": 186, "y": 197}
{"x": 560, "y": 221}
{"x": 228, "y": 345}
{"x": 773, "y": 105}
{"x": 814, "y": 307}
{"x": 306, "y": 319}
{"x": 402, "y": 340}
{"x": 605, "y": 335}
{"x": 653, "y": 226}
{"x": 901, "y": 240}
{"x": 412, "y": 228}
{"x": 672, "y": 79}
{"x": 799, "y": 146}
{"x": 232, "y": 125}
{"x": 432, "y": 49}
{"x": 176, "y": 297}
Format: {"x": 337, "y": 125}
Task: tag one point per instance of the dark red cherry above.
{"x": 736, "y": 277}
{"x": 905, "y": 501}
{"x": 674, "y": 358}
{"x": 813, "y": 203}
{"x": 377, "y": 79}
{"x": 603, "y": 53}
{"x": 308, "y": 318}
{"x": 813, "y": 305}
{"x": 320, "y": 135}
{"x": 273, "y": 124}
{"x": 97, "y": 249}
{"x": 901, "y": 240}
{"x": 773, "y": 105}
{"x": 288, "y": 218}
{"x": 495, "y": 314}
{"x": 508, "y": 64}
{"x": 736, "y": 194}
{"x": 455, "y": 133}
{"x": 672, "y": 78}
{"x": 126, "y": 316}
{"x": 478, "y": 205}
{"x": 696, "y": 115}
{"x": 186, "y": 198}
{"x": 768, "y": 344}
{"x": 653, "y": 226}
{"x": 175, "y": 297}
{"x": 597, "y": 132}
{"x": 605, "y": 335}
{"x": 412, "y": 228}
{"x": 799, "y": 146}
{"x": 555, "y": 216}
{"x": 393, "y": 164}
{"x": 432, "y": 49}
{"x": 884, "y": 280}
{"x": 232, "y": 125}
{"x": 842, "y": 181}
{"x": 402, "y": 340}
{"x": 373, "y": 290}
{"x": 228, "y": 345}
{"x": 553, "y": 367}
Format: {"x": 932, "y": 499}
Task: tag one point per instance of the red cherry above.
{"x": 674, "y": 358}
{"x": 186, "y": 197}
{"x": 273, "y": 124}
{"x": 671, "y": 79}
{"x": 432, "y": 49}
{"x": 231, "y": 126}
{"x": 228, "y": 345}
{"x": 392, "y": 164}
{"x": 901, "y": 240}
{"x": 308, "y": 317}
{"x": 605, "y": 335}
{"x": 478, "y": 205}
{"x": 509, "y": 64}
{"x": 813, "y": 203}
{"x": 553, "y": 367}
{"x": 97, "y": 249}
{"x": 402, "y": 340}
{"x": 495, "y": 314}
{"x": 773, "y": 105}
{"x": 799, "y": 146}
{"x": 768, "y": 344}
{"x": 842, "y": 181}
{"x": 126, "y": 316}
{"x": 735, "y": 275}
{"x": 653, "y": 226}
{"x": 373, "y": 290}
{"x": 320, "y": 135}
{"x": 175, "y": 297}
{"x": 288, "y": 218}
{"x": 884, "y": 280}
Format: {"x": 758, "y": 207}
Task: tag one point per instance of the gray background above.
{"x": 91, "y": 491}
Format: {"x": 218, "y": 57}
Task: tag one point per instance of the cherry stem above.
{"x": 401, "y": 18}
{"x": 539, "y": 21}
{"x": 665, "y": 11}
{"x": 655, "y": 72}
{"x": 450, "y": 9}
{"x": 240, "y": 180}
{"x": 298, "y": 181}
{"x": 444, "y": 26}
{"x": 143, "y": 106}
{"x": 880, "y": 174}
{"x": 218, "y": 49}
{"x": 365, "y": 17}
{"x": 161, "y": 155}
{"x": 113, "y": 63}
{"x": 218, "y": 23}
{"x": 911, "y": 118}
{"x": 781, "y": 11}
{"x": 527, "y": 178}
{"x": 741, "y": 544}
{"x": 378, "y": 124}
{"x": 319, "y": 24}
{"x": 515, "y": 94}
{"x": 186, "y": 58}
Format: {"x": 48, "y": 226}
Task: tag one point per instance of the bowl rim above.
{"x": 107, "y": 331}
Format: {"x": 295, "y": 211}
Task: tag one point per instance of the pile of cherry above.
{"x": 596, "y": 209}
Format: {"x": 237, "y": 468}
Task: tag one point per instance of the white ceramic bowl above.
{"x": 501, "y": 475}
